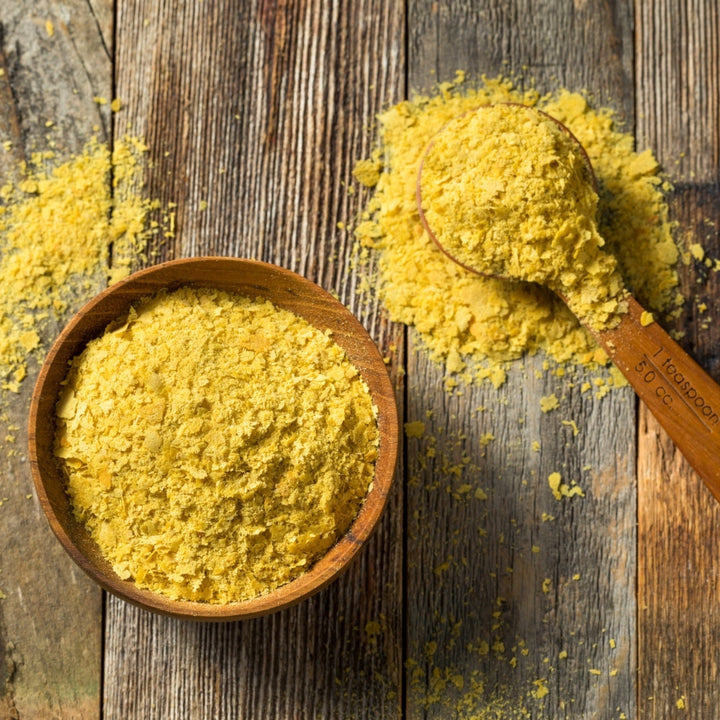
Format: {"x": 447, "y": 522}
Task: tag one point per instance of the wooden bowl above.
{"x": 286, "y": 290}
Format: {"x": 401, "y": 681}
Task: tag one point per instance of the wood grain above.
{"x": 678, "y": 59}
{"x": 50, "y": 617}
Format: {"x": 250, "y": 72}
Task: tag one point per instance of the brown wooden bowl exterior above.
{"x": 252, "y": 278}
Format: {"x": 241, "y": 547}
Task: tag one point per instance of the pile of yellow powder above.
{"x": 475, "y": 324}
{"x": 215, "y": 446}
{"x": 64, "y": 231}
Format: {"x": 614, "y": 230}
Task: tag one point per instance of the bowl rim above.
{"x": 175, "y": 273}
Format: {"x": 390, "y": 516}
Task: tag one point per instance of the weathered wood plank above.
{"x": 678, "y": 520}
{"x": 496, "y": 595}
{"x": 53, "y": 60}
{"x": 549, "y": 41}
{"x": 254, "y": 115}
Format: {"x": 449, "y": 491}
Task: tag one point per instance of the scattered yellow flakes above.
{"x": 573, "y": 425}
{"x": 554, "y": 480}
{"x": 116, "y": 105}
{"x": 99, "y": 100}
{"x": 562, "y": 655}
{"x": 368, "y": 172}
{"x": 697, "y": 251}
{"x": 203, "y": 205}
{"x": 602, "y": 391}
{"x": 535, "y": 446}
{"x": 541, "y": 689}
{"x": 617, "y": 379}
{"x": 535, "y": 548}
{"x": 29, "y": 340}
{"x": 561, "y": 489}
{"x": 680, "y": 703}
{"x": 595, "y": 671}
{"x": 415, "y": 429}
{"x": 496, "y": 374}
{"x": 546, "y": 584}
{"x": 576, "y": 576}
{"x": 49, "y": 27}
{"x": 57, "y": 230}
{"x": 218, "y": 469}
{"x": 646, "y": 318}
{"x": 612, "y": 643}
{"x": 486, "y": 438}
{"x": 549, "y": 402}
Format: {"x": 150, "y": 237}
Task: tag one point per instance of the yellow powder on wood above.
{"x": 64, "y": 231}
{"x": 368, "y": 172}
{"x": 215, "y": 446}
{"x": 507, "y": 193}
{"x": 486, "y": 321}
{"x": 549, "y": 402}
{"x": 697, "y": 251}
{"x": 560, "y": 489}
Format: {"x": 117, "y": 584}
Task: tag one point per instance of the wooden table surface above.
{"x": 260, "y": 110}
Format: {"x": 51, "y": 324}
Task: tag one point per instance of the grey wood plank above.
{"x": 508, "y": 613}
{"x": 54, "y": 59}
{"x": 254, "y": 115}
{"x": 678, "y": 115}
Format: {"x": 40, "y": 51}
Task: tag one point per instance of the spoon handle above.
{"x": 681, "y": 395}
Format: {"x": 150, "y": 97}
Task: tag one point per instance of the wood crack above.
{"x": 99, "y": 29}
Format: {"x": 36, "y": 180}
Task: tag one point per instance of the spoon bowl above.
{"x": 284, "y": 289}
{"x": 590, "y": 173}
{"x": 681, "y": 395}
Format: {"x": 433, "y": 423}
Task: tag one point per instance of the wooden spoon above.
{"x": 681, "y": 395}
{"x": 254, "y": 279}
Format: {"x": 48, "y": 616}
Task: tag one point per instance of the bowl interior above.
{"x": 286, "y": 290}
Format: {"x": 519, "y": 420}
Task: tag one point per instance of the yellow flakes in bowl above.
{"x": 215, "y": 446}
